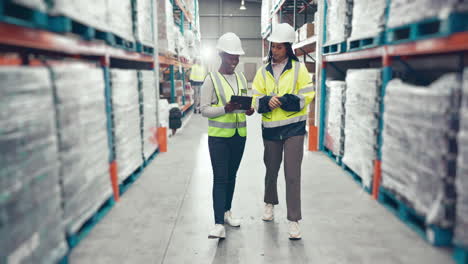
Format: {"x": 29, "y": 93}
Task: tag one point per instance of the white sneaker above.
{"x": 294, "y": 231}
{"x": 228, "y": 219}
{"x": 268, "y": 213}
{"x": 218, "y": 231}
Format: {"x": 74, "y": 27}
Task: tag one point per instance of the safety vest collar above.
{"x": 297, "y": 66}
{"x": 241, "y": 85}
{"x": 269, "y": 67}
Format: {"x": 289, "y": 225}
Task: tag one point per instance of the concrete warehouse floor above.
{"x": 166, "y": 215}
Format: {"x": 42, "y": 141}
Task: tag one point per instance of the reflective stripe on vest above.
{"x": 227, "y": 124}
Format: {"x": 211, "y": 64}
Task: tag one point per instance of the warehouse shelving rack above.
{"x": 27, "y": 39}
{"x": 388, "y": 57}
{"x": 288, "y": 11}
{"x": 178, "y": 67}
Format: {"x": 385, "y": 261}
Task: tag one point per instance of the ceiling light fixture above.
{"x": 242, "y": 7}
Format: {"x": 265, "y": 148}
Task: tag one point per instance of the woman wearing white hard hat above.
{"x": 227, "y": 129}
{"x": 282, "y": 91}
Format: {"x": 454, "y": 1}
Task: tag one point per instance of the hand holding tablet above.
{"x": 245, "y": 102}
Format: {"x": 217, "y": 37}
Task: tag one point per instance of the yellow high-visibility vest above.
{"x": 197, "y": 73}
{"x": 227, "y": 124}
{"x": 292, "y": 81}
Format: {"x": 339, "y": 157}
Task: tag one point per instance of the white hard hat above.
{"x": 230, "y": 43}
{"x": 282, "y": 33}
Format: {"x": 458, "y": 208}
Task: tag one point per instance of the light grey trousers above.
{"x": 293, "y": 149}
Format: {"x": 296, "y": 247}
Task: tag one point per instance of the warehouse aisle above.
{"x": 166, "y": 215}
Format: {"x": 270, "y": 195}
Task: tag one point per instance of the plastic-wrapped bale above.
{"x": 419, "y": 146}
{"x": 149, "y": 112}
{"x": 404, "y": 12}
{"x": 461, "y": 181}
{"x": 334, "y": 127}
{"x": 163, "y": 113}
{"x": 144, "y": 18}
{"x": 89, "y": 12}
{"x": 31, "y": 228}
{"x": 126, "y": 110}
{"x": 265, "y": 18}
{"x": 119, "y": 18}
{"x": 338, "y": 21}
{"x": 165, "y": 24}
{"x": 83, "y": 143}
{"x": 362, "y": 121}
{"x": 189, "y": 37}
{"x": 33, "y": 4}
{"x": 368, "y": 18}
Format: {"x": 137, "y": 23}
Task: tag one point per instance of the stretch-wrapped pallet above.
{"x": 362, "y": 121}
{"x": 404, "y": 12}
{"x": 165, "y": 24}
{"x": 83, "y": 143}
{"x": 31, "y": 228}
{"x": 461, "y": 181}
{"x": 338, "y": 21}
{"x": 143, "y": 23}
{"x": 149, "y": 112}
{"x": 126, "y": 111}
{"x": 335, "y": 116}
{"x": 119, "y": 18}
{"x": 419, "y": 146}
{"x": 265, "y": 15}
{"x": 368, "y": 18}
{"x": 89, "y": 12}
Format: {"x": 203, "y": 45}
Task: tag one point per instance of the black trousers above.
{"x": 226, "y": 155}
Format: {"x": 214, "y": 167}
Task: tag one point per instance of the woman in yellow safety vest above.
{"x": 227, "y": 129}
{"x": 282, "y": 91}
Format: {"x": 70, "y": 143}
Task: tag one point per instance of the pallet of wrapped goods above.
{"x": 461, "y": 182}
{"x": 418, "y": 154}
{"x": 143, "y": 21}
{"x": 362, "y": 123}
{"x": 368, "y": 22}
{"x": 266, "y": 17}
{"x": 335, "y": 114}
{"x": 149, "y": 112}
{"x": 165, "y": 24}
{"x": 80, "y": 13}
{"x": 338, "y": 25}
{"x": 31, "y": 227}
{"x": 120, "y": 22}
{"x": 126, "y": 112}
{"x": 83, "y": 143}
{"x": 163, "y": 113}
{"x": 411, "y": 20}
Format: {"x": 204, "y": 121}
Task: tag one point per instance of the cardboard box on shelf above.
{"x": 166, "y": 88}
{"x": 306, "y": 31}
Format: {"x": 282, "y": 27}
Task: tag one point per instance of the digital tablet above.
{"x": 244, "y": 101}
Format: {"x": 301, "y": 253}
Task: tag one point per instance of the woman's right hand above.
{"x": 274, "y": 102}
